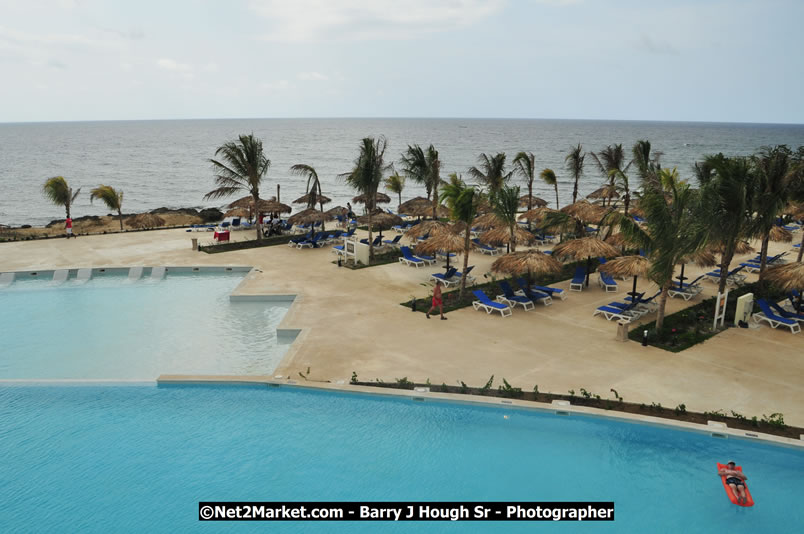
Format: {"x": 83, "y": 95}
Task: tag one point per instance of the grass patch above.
{"x": 690, "y": 326}
{"x": 243, "y": 245}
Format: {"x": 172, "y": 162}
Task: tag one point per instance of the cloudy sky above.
{"x": 688, "y": 60}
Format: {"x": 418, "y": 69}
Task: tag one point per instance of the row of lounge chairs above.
{"x": 777, "y": 316}
{"x": 452, "y": 276}
{"x": 318, "y": 239}
{"x": 632, "y": 309}
{"x": 527, "y": 297}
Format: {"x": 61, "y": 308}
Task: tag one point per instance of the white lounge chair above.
{"x": 487, "y": 305}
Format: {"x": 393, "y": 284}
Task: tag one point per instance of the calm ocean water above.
{"x": 164, "y": 163}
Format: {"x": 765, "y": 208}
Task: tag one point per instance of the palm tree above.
{"x": 462, "y": 201}
{"x": 60, "y": 193}
{"x": 424, "y": 167}
{"x": 775, "y": 170}
{"x": 242, "y": 168}
{"x": 366, "y": 176}
{"x": 395, "y": 184}
{"x": 646, "y": 163}
{"x": 525, "y": 166}
{"x": 727, "y": 188}
{"x": 505, "y": 205}
{"x": 313, "y": 189}
{"x": 619, "y": 180}
{"x": 674, "y": 230}
{"x": 611, "y": 163}
{"x": 491, "y": 172}
{"x": 549, "y": 178}
{"x": 574, "y": 164}
{"x": 111, "y": 197}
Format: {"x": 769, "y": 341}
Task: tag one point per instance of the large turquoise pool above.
{"x": 112, "y": 328}
{"x": 89, "y": 458}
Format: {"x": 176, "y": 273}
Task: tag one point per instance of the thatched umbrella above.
{"x": 616, "y": 240}
{"x": 380, "y": 198}
{"x": 484, "y": 222}
{"x": 424, "y": 211}
{"x": 536, "y": 202}
{"x": 606, "y": 192}
{"x": 703, "y": 258}
{"x": 424, "y": 228}
{"x": 337, "y": 210}
{"x": 458, "y": 227}
{"x": 414, "y": 206}
{"x": 526, "y": 261}
{"x": 319, "y": 199}
{"x": 584, "y": 247}
{"x": 244, "y": 202}
{"x": 501, "y": 235}
{"x": 585, "y": 211}
{"x": 145, "y": 220}
{"x": 381, "y": 220}
{"x": 623, "y": 266}
{"x": 779, "y": 234}
{"x": 787, "y": 278}
{"x": 537, "y": 214}
{"x": 310, "y": 215}
{"x": 237, "y": 212}
{"x": 442, "y": 240}
{"x": 272, "y": 206}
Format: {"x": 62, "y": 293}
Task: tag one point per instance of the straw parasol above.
{"x": 381, "y": 220}
{"x": 526, "y": 261}
{"x": 537, "y": 214}
{"x": 337, "y": 210}
{"x": 309, "y": 215}
{"x": 319, "y": 199}
{"x": 145, "y": 220}
{"x": 605, "y": 192}
{"x": 244, "y": 202}
{"x": 624, "y": 266}
{"x": 484, "y": 222}
{"x": 424, "y": 211}
{"x": 536, "y": 201}
{"x": 585, "y": 211}
{"x": 237, "y": 212}
{"x": 272, "y": 206}
{"x": 787, "y": 278}
{"x": 584, "y": 247}
{"x": 414, "y": 205}
{"x": 501, "y": 235}
{"x": 742, "y": 248}
{"x": 616, "y": 240}
{"x": 424, "y": 228}
{"x": 380, "y": 198}
{"x": 703, "y": 258}
{"x": 778, "y": 233}
{"x": 442, "y": 240}
{"x": 458, "y": 227}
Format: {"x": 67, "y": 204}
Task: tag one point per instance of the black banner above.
{"x": 405, "y": 511}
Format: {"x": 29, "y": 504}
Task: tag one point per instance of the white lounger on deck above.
{"x": 6, "y": 279}
{"x": 134, "y": 274}
{"x": 83, "y": 276}
{"x": 60, "y": 276}
{"x": 157, "y": 273}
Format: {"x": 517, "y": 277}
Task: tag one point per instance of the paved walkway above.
{"x": 352, "y": 321}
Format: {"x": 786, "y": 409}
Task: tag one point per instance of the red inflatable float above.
{"x": 749, "y": 501}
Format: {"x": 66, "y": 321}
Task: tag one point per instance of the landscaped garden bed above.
{"x": 243, "y": 245}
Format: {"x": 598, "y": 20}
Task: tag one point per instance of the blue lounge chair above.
{"x": 484, "y": 303}
{"x": 392, "y": 242}
{"x": 469, "y": 277}
{"x": 774, "y": 320}
{"x": 607, "y": 282}
{"x": 348, "y": 234}
{"x": 786, "y": 314}
{"x": 448, "y": 278}
{"x": 611, "y": 312}
{"x": 734, "y": 277}
{"x": 484, "y": 248}
{"x": 552, "y": 291}
{"x": 428, "y": 259}
{"x": 687, "y": 290}
{"x": 648, "y": 304}
{"x": 376, "y": 243}
{"x": 529, "y": 293}
{"x": 312, "y": 242}
{"x": 578, "y": 278}
{"x": 512, "y": 299}
{"x": 296, "y": 240}
{"x": 628, "y": 308}
{"x": 409, "y": 259}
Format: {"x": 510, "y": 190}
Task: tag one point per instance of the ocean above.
{"x": 165, "y": 163}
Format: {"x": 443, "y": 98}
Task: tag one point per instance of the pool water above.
{"x": 138, "y": 458}
{"x": 110, "y": 328}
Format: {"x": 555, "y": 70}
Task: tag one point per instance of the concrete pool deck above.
{"x": 352, "y": 321}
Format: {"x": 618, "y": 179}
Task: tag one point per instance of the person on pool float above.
{"x": 736, "y": 481}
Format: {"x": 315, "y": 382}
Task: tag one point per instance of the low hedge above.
{"x": 693, "y": 325}
{"x": 243, "y": 245}
{"x": 392, "y": 256}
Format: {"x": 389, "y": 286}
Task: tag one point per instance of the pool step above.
{"x": 60, "y": 276}
{"x": 157, "y": 273}
{"x": 135, "y": 273}
{"x": 83, "y": 276}
{"x": 6, "y": 279}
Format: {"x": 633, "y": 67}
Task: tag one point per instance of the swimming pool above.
{"x": 113, "y": 328}
{"x": 139, "y": 458}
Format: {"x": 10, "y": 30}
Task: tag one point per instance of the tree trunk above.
{"x": 256, "y": 198}
{"x": 724, "y": 268}
{"x": 556, "y": 186}
{"x": 530, "y": 202}
{"x": 69, "y": 197}
{"x": 371, "y": 248}
{"x": 277, "y": 193}
{"x": 763, "y": 255}
{"x": 435, "y": 201}
{"x": 800, "y": 249}
{"x": 627, "y": 202}
{"x": 400, "y": 202}
{"x": 662, "y": 305}
{"x": 513, "y": 239}
{"x": 120, "y": 216}
{"x": 575, "y": 191}
{"x": 467, "y": 244}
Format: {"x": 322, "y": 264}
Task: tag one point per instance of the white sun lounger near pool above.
{"x": 135, "y": 273}
{"x": 6, "y": 279}
{"x": 83, "y": 276}
{"x": 60, "y": 276}
{"x": 157, "y": 273}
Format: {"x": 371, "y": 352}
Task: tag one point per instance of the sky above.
{"x": 673, "y": 60}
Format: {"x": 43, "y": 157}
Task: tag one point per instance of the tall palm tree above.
{"x": 525, "y": 166}
{"x": 619, "y": 180}
{"x": 574, "y": 164}
{"x": 727, "y": 191}
{"x": 242, "y": 167}
{"x": 674, "y": 230}
{"x": 111, "y": 197}
{"x": 646, "y": 162}
{"x": 490, "y": 171}
{"x": 462, "y": 201}
{"x": 313, "y": 189}
{"x": 611, "y": 163}
{"x": 549, "y": 178}
{"x": 395, "y": 183}
{"x": 60, "y": 193}
{"x": 366, "y": 176}
{"x": 505, "y": 205}
{"x": 775, "y": 171}
{"x": 424, "y": 167}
